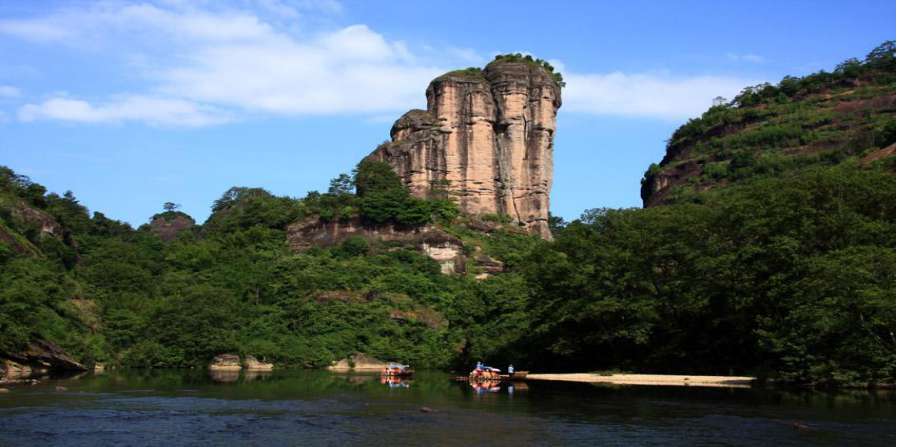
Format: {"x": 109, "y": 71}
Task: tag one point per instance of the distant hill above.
{"x": 779, "y": 130}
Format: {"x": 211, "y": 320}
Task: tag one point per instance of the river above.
{"x": 301, "y": 407}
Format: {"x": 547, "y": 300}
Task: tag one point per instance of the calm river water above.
{"x": 299, "y": 407}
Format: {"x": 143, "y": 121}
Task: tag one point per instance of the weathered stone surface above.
{"x": 253, "y": 364}
{"x": 448, "y": 254}
{"x": 167, "y": 227}
{"x": 226, "y": 362}
{"x": 487, "y": 140}
{"x": 38, "y": 218}
{"x": 442, "y": 247}
{"x": 314, "y": 232}
{"x": 358, "y": 362}
{"x": 10, "y": 369}
{"x": 38, "y": 358}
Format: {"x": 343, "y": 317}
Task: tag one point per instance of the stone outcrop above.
{"x": 486, "y": 139}
{"x": 168, "y": 225}
{"x": 226, "y": 362}
{"x": 442, "y": 247}
{"x": 313, "y": 232}
{"x": 20, "y": 214}
{"x": 39, "y": 357}
{"x": 447, "y": 252}
{"x": 358, "y": 362}
{"x": 253, "y": 364}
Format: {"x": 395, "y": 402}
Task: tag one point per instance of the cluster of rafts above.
{"x": 481, "y": 378}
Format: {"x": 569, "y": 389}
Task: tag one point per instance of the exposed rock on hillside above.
{"x": 40, "y": 357}
{"x": 313, "y": 232}
{"x": 38, "y": 223}
{"x": 168, "y": 225}
{"x": 439, "y": 245}
{"x": 486, "y": 139}
{"x": 823, "y": 118}
{"x": 442, "y": 247}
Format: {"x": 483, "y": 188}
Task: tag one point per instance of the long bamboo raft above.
{"x": 651, "y": 379}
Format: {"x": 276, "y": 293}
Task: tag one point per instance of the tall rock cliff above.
{"x": 486, "y": 139}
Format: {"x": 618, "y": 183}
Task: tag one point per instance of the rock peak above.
{"x": 486, "y": 138}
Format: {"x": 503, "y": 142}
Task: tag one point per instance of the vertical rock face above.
{"x": 486, "y": 139}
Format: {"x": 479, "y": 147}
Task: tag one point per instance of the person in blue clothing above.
{"x": 510, "y": 369}
{"x": 479, "y": 366}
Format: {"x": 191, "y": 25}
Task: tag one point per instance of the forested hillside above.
{"x": 770, "y": 253}
{"x": 110, "y": 293}
{"x": 773, "y": 252}
{"x": 776, "y": 130}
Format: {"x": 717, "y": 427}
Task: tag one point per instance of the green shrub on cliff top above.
{"x": 518, "y": 57}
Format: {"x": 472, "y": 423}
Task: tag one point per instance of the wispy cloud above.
{"x": 156, "y": 111}
{"x": 652, "y": 95}
{"x": 747, "y": 57}
{"x": 197, "y": 60}
{"x": 8, "y": 91}
{"x": 200, "y": 63}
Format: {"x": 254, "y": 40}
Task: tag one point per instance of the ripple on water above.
{"x": 322, "y": 409}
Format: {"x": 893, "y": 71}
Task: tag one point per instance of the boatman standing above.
{"x": 510, "y": 370}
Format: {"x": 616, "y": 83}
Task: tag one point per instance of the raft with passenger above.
{"x": 483, "y": 373}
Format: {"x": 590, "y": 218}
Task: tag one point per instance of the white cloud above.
{"x": 353, "y": 70}
{"x": 206, "y": 62}
{"x": 8, "y": 91}
{"x": 157, "y": 111}
{"x": 748, "y": 57}
{"x": 234, "y": 59}
{"x": 646, "y": 95}
{"x": 35, "y": 30}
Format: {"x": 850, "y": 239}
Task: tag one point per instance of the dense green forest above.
{"x": 764, "y": 261}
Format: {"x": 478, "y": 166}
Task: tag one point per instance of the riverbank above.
{"x": 650, "y": 379}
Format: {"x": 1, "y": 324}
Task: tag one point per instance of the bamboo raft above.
{"x": 493, "y": 377}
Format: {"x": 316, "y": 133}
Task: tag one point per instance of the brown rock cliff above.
{"x": 486, "y": 139}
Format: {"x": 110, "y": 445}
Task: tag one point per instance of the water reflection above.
{"x": 395, "y": 381}
{"x": 485, "y": 386}
{"x": 322, "y": 408}
{"x": 224, "y": 376}
{"x": 249, "y": 376}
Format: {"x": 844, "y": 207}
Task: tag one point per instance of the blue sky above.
{"x": 132, "y": 104}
